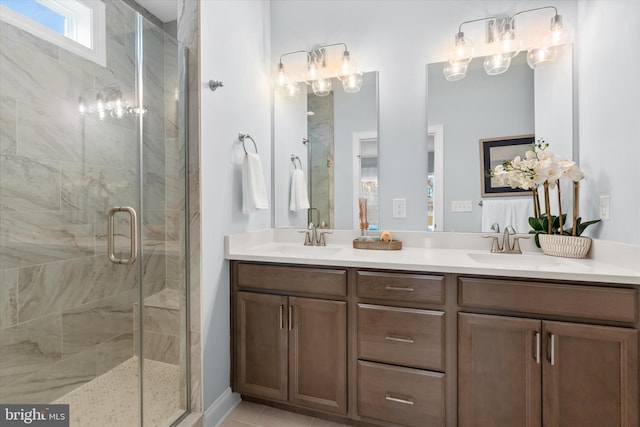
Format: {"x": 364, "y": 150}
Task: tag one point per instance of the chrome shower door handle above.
{"x": 111, "y": 238}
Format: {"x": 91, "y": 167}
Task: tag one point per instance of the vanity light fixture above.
{"x": 502, "y": 32}
{"x": 317, "y": 75}
{"x": 109, "y": 102}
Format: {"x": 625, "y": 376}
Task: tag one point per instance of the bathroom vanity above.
{"x": 433, "y": 336}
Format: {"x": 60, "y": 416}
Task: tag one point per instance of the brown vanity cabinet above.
{"x": 291, "y": 348}
{"x": 534, "y": 372}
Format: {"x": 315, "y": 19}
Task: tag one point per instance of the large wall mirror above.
{"x": 334, "y": 139}
{"x": 460, "y": 113}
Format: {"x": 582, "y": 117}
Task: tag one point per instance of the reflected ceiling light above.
{"x": 502, "y": 35}
{"x": 109, "y": 103}
{"x": 316, "y": 73}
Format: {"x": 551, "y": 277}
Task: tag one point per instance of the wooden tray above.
{"x": 393, "y": 245}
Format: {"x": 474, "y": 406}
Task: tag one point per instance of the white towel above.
{"x": 254, "y": 190}
{"x": 513, "y": 212}
{"x": 299, "y": 198}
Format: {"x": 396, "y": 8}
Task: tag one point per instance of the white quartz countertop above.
{"x": 461, "y": 253}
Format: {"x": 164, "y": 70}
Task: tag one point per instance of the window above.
{"x": 75, "y": 25}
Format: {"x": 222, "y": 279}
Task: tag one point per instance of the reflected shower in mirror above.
{"x": 460, "y": 113}
{"x": 336, "y": 138}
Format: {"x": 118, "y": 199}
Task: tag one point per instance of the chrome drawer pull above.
{"x": 398, "y": 339}
{"x": 552, "y": 357}
{"x": 390, "y": 398}
{"x": 398, "y": 288}
{"x": 538, "y": 348}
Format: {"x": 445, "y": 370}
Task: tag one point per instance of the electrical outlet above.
{"x": 461, "y": 206}
{"x": 604, "y": 207}
{"x": 399, "y": 208}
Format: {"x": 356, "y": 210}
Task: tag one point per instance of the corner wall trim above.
{"x": 224, "y": 404}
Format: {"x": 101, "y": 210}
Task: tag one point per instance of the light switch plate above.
{"x": 461, "y": 206}
{"x": 399, "y": 208}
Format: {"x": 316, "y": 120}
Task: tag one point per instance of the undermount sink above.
{"x": 515, "y": 259}
{"x": 307, "y": 250}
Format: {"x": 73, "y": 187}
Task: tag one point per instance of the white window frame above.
{"x": 85, "y": 27}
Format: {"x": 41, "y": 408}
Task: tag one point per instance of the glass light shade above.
{"x": 496, "y": 64}
{"x": 321, "y": 87}
{"x": 558, "y": 35}
{"x": 280, "y": 78}
{"x": 346, "y": 66}
{"x": 539, "y": 57}
{"x": 461, "y": 50}
{"x": 352, "y": 83}
{"x": 455, "y": 71}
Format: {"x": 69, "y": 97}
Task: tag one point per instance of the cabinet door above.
{"x": 261, "y": 345}
{"x": 590, "y": 376}
{"x": 318, "y": 354}
{"x": 498, "y": 371}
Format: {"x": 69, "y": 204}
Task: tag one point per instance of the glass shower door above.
{"x": 77, "y": 139}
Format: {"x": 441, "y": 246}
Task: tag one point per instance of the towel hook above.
{"x": 242, "y": 137}
{"x": 293, "y": 160}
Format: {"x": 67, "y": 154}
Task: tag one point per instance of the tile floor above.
{"x": 248, "y": 414}
{"x": 112, "y": 399}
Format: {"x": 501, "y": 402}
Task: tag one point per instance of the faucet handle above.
{"x": 495, "y": 243}
{"x": 307, "y": 237}
{"x": 516, "y": 243}
{"x": 322, "y": 241}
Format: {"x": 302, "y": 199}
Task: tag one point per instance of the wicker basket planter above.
{"x": 565, "y": 246}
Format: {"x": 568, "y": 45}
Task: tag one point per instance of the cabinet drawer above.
{"x": 293, "y": 279}
{"x": 402, "y": 336}
{"x": 401, "y": 287}
{"x": 591, "y": 302}
{"x": 404, "y": 396}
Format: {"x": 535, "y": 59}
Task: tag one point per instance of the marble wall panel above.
{"x": 8, "y": 298}
{"x": 91, "y": 324}
{"x": 8, "y": 125}
{"x": 59, "y": 286}
{"x": 29, "y": 185}
{"x": 29, "y": 41}
{"x": 162, "y": 320}
{"x": 160, "y": 347}
{"x": 29, "y": 347}
{"x": 89, "y": 187}
{"x": 46, "y": 385}
{"x": 28, "y": 238}
{"x": 113, "y": 352}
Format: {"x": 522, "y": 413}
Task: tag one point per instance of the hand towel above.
{"x": 299, "y": 198}
{"x": 254, "y": 190}
{"x": 513, "y": 212}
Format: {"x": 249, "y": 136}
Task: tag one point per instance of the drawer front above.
{"x": 404, "y": 396}
{"x": 293, "y": 279}
{"x": 591, "y": 302}
{"x": 401, "y": 287}
{"x": 402, "y": 336}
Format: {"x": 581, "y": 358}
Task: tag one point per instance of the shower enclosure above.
{"x": 93, "y": 295}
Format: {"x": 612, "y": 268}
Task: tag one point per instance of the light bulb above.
{"x": 352, "y": 83}
{"x": 312, "y": 71}
{"x": 346, "y": 67}
{"x": 291, "y": 90}
{"x": 100, "y": 107}
{"x": 82, "y": 108}
{"x": 321, "y": 87}
{"x": 461, "y": 50}
{"x": 280, "y": 78}
{"x": 510, "y": 44}
{"x": 537, "y": 58}
{"x": 496, "y": 64}
{"x": 119, "y": 108}
{"x": 455, "y": 71}
{"x": 558, "y": 35}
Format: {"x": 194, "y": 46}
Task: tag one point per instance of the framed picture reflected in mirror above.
{"x": 494, "y": 152}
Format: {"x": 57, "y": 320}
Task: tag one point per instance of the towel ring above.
{"x": 293, "y": 160}
{"x": 242, "y": 137}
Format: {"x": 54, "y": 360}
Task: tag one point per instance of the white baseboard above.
{"x": 218, "y": 411}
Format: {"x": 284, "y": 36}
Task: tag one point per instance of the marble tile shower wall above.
{"x": 66, "y": 312}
